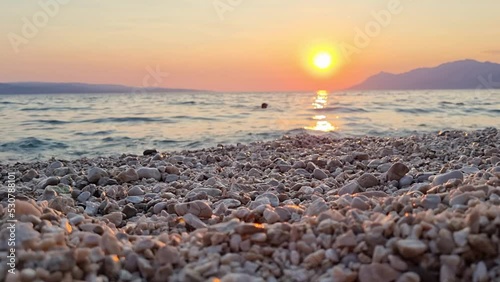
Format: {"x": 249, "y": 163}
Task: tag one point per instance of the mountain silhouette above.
{"x": 73, "y": 88}
{"x": 464, "y": 74}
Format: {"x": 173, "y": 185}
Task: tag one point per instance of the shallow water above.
{"x": 76, "y": 125}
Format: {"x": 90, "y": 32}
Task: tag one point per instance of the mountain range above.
{"x": 464, "y": 74}
{"x": 69, "y": 88}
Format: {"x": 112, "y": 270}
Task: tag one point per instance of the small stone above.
{"x": 28, "y": 176}
{"x": 149, "y": 172}
{"x": 460, "y": 237}
{"x": 314, "y": 259}
{"x": 460, "y": 199}
{"x": 249, "y": 228}
{"x": 77, "y": 219}
{"x": 480, "y": 273}
{"x": 28, "y": 274}
{"x": 115, "y": 217}
{"x": 194, "y": 221}
{"x": 408, "y": 277}
{"x": 254, "y": 172}
{"x": 129, "y": 211}
{"x": 62, "y": 204}
{"x": 128, "y": 175}
{"x": 149, "y": 152}
{"x": 319, "y": 174}
{"x": 198, "y": 208}
{"x": 350, "y": 188}
{"x": 380, "y": 272}
{"x": 168, "y": 178}
{"x": 357, "y": 203}
{"x": 271, "y": 216}
{"x": 397, "y": 171}
{"x": 53, "y": 180}
{"x": 83, "y": 197}
{"x": 25, "y": 208}
{"x": 431, "y": 201}
{"x": 379, "y": 254}
{"x": 367, "y": 180}
{"x": 410, "y": 248}
{"x": 406, "y": 180}
{"x": 167, "y": 255}
{"x": 135, "y": 191}
{"x": 443, "y": 178}
{"x": 96, "y": 173}
{"x": 346, "y": 240}
{"x": 397, "y": 263}
{"x": 481, "y": 243}
{"x": 240, "y": 277}
{"x": 273, "y": 199}
{"x": 172, "y": 170}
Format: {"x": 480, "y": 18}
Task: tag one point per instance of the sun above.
{"x": 322, "y": 60}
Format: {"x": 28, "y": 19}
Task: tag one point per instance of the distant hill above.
{"x": 72, "y": 88}
{"x": 465, "y": 74}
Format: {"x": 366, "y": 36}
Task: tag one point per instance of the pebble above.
{"x": 406, "y": 180}
{"x": 350, "y": 188}
{"x": 319, "y": 174}
{"x": 198, "y": 208}
{"x": 95, "y": 174}
{"x": 380, "y": 272}
{"x": 53, "y": 180}
{"x": 114, "y": 217}
{"x": 408, "y": 277}
{"x": 128, "y": 175}
{"x": 135, "y": 191}
{"x": 443, "y": 178}
{"x": 367, "y": 180}
{"x": 148, "y": 172}
{"x": 431, "y": 201}
{"x": 25, "y": 208}
{"x": 480, "y": 273}
{"x": 397, "y": 171}
{"x": 194, "y": 221}
{"x": 30, "y": 175}
{"x": 410, "y": 248}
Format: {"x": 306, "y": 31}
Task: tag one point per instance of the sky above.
{"x": 238, "y": 45}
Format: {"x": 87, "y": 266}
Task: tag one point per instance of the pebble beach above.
{"x": 301, "y": 208}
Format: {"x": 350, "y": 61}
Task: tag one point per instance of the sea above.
{"x": 71, "y": 126}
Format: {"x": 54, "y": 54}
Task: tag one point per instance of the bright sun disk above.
{"x": 323, "y": 60}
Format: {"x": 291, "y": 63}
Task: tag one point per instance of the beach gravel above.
{"x": 414, "y": 208}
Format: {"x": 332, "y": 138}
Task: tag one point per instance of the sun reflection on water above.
{"x": 321, "y": 124}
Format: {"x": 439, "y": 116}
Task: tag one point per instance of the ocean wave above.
{"x": 128, "y": 119}
{"x": 193, "y": 118}
{"x": 32, "y": 144}
{"x": 47, "y": 121}
{"x": 341, "y": 110}
{"x": 417, "y": 110}
{"x": 95, "y": 133}
{"x": 55, "y": 109}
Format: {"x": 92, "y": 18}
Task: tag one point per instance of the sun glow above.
{"x": 323, "y": 60}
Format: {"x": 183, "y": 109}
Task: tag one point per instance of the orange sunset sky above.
{"x": 245, "y": 45}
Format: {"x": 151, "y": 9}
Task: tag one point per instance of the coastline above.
{"x": 301, "y": 208}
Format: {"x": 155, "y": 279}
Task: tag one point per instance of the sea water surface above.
{"x": 68, "y": 126}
